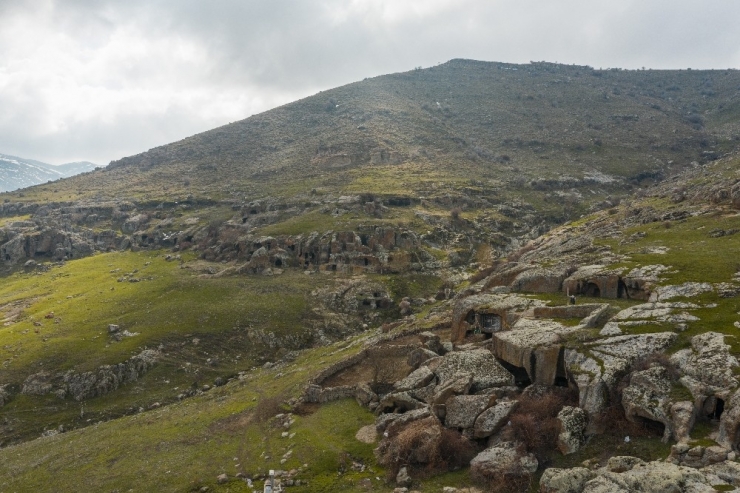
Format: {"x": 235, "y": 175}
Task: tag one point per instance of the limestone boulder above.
{"x": 480, "y": 363}
{"x": 459, "y": 385}
{"x": 573, "y": 421}
{"x": 683, "y": 416}
{"x": 535, "y": 349}
{"x": 493, "y": 419}
{"x": 397, "y": 420}
{"x": 418, "y": 378}
{"x": 419, "y": 356}
{"x": 555, "y": 480}
{"x": 501, "y": 460}
{"x": 652, "y": 477}
{"x": 461, "y": 411}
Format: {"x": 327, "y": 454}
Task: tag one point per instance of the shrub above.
{"x": 425, "y": 446}
{"x": 535, "y": 423}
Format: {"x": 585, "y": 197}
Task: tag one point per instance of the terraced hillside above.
{"x": 387, "y": 256}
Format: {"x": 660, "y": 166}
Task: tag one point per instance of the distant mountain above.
{"x": 16, "y": 172}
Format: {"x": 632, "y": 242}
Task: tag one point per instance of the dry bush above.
{"x": 455, "y": 213}
{"x": 267, "y": 408}
{"x": 535, "y": 423}
{"x": 425, "y": 446}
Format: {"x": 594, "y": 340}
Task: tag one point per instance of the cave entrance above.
{"x": 592, "y": 290}
{"x": 714, "y": 407}
{"x": 521, "y": 377}
{"x": 652, "y": 427}
{"x": 622, "y": 289}
{"x": 278, "y": 262}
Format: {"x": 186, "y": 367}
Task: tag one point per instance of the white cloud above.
{"x": 100, "y": 79}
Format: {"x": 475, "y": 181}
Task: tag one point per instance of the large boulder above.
{"x": 573, "y": 422}
{"x": 536, "y": 349}
{"x": 502, "y": 460}
{"x": 417, "y": 379}
{"x": 480, "y": 363}
{"x": 461, "y": 411}
{"x": 493, "y": 419}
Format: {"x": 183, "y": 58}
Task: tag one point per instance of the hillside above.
{"x": 395, "y": 256}
{"x": 18, "y": 173}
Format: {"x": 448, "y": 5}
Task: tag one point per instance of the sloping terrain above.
{"x": 389, "y": 253}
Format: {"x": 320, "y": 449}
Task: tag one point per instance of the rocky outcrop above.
{"x": 86, "y": 385}
{"x": 647, "y": 396}
{"x": 467, "y": 310}
{"x": 629, "y": 474}
{"x": 707, "y": 370}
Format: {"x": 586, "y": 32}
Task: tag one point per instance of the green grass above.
{"x": 692, "y": 253}
{"x": 187, "y": 444}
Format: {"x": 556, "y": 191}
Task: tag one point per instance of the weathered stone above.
{"x": 364, "y": 394}
{"x": 462, "y": 410}
{"x": 398, "y": 402}
{"x": 416, "y": 379}
{"x": 493, "y": 419}
{"x": 486, "y": 371}
{"x": 534, "y": 349}
{"x": 573, "y": 422}
{"x": 502, "y": 459}
{"x": 459, "y": 385}
{"x": 683, "y": 417}
{"x": 396, "y": 420}
{"x": 622, "y": 463}
{"x": 419, "y": 356}
{"x": 572, "y": 480}
{"x": 708, "y": 367}
{"x": 647, "y": 396}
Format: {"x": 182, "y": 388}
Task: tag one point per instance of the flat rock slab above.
{"x": 480, "y": 363}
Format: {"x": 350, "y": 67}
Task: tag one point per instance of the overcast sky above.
{"x": 98, "y": 80}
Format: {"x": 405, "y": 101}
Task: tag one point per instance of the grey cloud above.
{"x": 263, "y": 53}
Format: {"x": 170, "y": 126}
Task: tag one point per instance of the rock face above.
{"x": 535, "y": 350}
{"x": 647, "y": 396}
{"x": 462, "y": 410}
{"x": 493, "y": 419}
{"x": 629, "y": 474}
{"x": 501, "y": 460}
{"x": 480, "y": 363}
{"x": 573, "y": 421}
{"x": 707, "y": 370}
{"x": 417, "y": 379}
{"x": 81, "y": 386}
{"x": 467, "y": 311}
{"x": 598, "y": 371}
